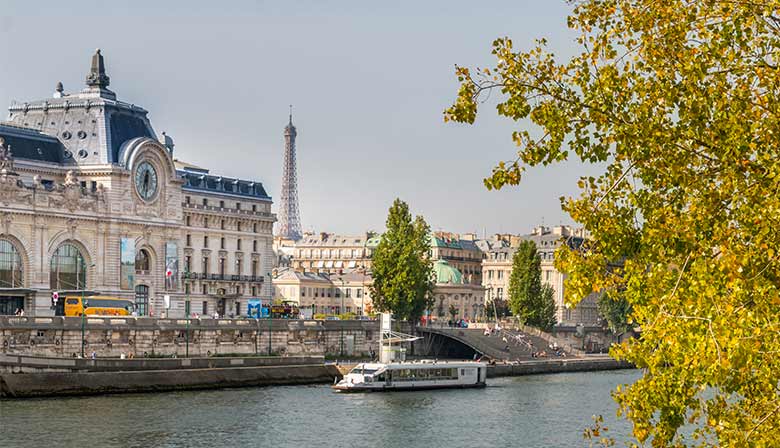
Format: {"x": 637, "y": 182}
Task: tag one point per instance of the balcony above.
{"x": 216, "y": 209}
{"x": 222, "y": 277}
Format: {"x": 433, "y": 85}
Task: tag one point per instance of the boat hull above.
{"x": 357, "y": 389}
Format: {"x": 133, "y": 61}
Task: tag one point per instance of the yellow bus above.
{"x": 96, "y": 306}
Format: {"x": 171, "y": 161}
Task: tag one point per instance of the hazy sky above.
{"x": 368, "y": 81}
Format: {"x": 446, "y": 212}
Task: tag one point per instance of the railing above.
{"x": 213, "y": 208}
{"x": 222, "y": 277}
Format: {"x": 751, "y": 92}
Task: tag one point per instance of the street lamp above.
{"x": 270, "y": 315}
{"x": 84, "y": 305}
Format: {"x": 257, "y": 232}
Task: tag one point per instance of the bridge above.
{"x": 465, "y": 342}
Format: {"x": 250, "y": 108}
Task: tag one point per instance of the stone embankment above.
{"x": 557, "y": 365}
{"x": 25, "y": 376}
{"x": 149, "y": 337}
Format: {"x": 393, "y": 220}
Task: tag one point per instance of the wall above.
{"x": 110, "y": 337}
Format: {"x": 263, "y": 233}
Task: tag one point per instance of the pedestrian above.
{"x": 21, "y": 311}
{"x": 16, "y": 313}
{"x": 94, "y": 355}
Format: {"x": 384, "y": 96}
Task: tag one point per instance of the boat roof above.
{"x": 427, "y": 363}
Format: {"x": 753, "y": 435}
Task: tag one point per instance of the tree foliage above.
{"x": 678, "y": 100}
{"x": 403, "y": 273}
{"x": 616, "y": 311}
{"x": 528, "y": 299}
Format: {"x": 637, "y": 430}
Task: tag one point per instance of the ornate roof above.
{"x": 447, "y": 274}
{"x": 90, "y": 125}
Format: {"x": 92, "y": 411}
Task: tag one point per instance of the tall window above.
{"x": 238, "y": 267}
{"x": 222, "y": 243}
{"x": 254, "y": 227}
{"x": 254, "y": 268}
{"x": 189, "y": 240}
{"x": 205, "y": 201}
{"x": 254, "y": 246}
{"x": 238, "y": 244}
{"x": 206, "y": 222}
{"x": 238, "y": 206}
{"x": 68, "y": 270}
{"x": 142, "y": 299}
{"x": 10, "y": 265}
{"x": 188, "y": 264}
{"x": 238, "y": 225}
{"x": 142, "y": 260}
{"x": 206, "y": 242}
{"x": 221, "y": 266}
{"x": 222, "y": 224}
{"x": 205, "y": 265}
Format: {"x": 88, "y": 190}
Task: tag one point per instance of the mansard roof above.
{"x": 198, "y": 180}
{"x": 30, "y": 144}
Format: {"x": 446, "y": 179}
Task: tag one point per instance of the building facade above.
{"x": 92, "y": 201}
{"x": 331, "y": 253}
{"x": 322, "y": 293}
{"x": 497, "y": 267}
{"x": 454, "y": 297}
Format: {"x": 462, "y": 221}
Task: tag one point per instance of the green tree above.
{"x": 677, "y": 101}
{"x": 616, "y": 311}
{"x": 528, "y": 300}
{"x": 453, "y": 312}
{"x": 403, "y": 273}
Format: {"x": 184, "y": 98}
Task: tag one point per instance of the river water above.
{"x": 529, "y": 411}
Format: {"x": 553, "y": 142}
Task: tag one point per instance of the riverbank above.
{"x": 25, "y": 376}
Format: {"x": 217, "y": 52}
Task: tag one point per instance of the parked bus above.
{"x": 95, "y": 306}
{"x": 285, "y": 310}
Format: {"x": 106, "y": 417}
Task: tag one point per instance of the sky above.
{"x": 368, "y": 82}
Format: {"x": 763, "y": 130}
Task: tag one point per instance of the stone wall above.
{"x": 110, "y": 337}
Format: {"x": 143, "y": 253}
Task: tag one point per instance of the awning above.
{"x": 328, "y": 264}
{"x": 320, "y": 264}
{"x": 352, "y": 264}
{"x": 339, "y": 264}
{"x": 15, "y": 291}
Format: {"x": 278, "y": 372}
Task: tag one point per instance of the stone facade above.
{"x": 84, "y": 174}
{"x": 110, "y": 337}
{"x": 497, "y": 267}
{"x": 331, "y": 253}
{"x": 319, "y": 293}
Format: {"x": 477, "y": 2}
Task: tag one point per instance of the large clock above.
{"x": 146, "y": 181}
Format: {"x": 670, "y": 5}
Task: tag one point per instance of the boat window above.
{"x": 362, "y": 371}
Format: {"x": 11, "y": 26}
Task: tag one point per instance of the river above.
{"x": 529, "y": 411}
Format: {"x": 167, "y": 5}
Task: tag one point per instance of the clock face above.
{"x": 146, "y": 181}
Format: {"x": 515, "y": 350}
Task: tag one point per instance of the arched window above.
{"x": 10, "y": 265}
{"x": 142, "y": 260}
{"x": 68, "y": 270}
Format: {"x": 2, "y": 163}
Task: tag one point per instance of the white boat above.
{"x": 393, "y": 372}
{"x": 421, "y": 375}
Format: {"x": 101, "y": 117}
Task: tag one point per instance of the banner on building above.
{"x": 171, "y": 266}
{"x": 127, "y": 263}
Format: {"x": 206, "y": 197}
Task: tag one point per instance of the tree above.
{"x": 528, "y": 300}
{"x": 453, "y": 312}
{"x": 677, "y": 101}
{"x": 616, "y": 311}
{"x": 403, "y": 273}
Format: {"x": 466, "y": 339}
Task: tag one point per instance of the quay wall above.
{"x": 150, "y": 337}
{"x": 557, "y": 365}
{"x": 26, "y": 385}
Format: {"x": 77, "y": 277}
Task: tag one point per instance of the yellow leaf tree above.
{"x": 679, "y": 101}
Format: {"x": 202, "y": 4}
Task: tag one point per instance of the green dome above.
{"x": 446, "y": 273}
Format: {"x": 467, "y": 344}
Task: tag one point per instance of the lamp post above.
{"x": 84, "y": 305}
{"x": 270, "y": 315}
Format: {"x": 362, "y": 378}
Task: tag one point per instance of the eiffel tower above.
{"x": 289, "y": 214}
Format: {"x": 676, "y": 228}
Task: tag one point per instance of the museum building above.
{"x": 93, "y": 202}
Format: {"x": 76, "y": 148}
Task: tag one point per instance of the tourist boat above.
{"x": 421, "y": 375}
